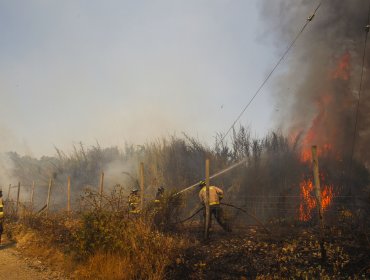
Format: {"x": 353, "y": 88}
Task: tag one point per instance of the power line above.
{"x": 367, "y": 27}
{"x": 309, "y": 19}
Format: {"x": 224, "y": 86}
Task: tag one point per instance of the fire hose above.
{"x": 230, "y": 205}
{"x": 183, "y": 221}
{"x": 249, "y": 214}
{"x": 244, "y": 161}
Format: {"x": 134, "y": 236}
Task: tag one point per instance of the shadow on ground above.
{"x": 7, "y": 245}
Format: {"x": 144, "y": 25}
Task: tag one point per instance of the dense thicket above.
{"x": 268, "y": 184}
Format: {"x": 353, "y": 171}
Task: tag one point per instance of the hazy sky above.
{"x": 116, "y": 71}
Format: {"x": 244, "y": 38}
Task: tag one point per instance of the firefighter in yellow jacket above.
{"x": 215, "y": 196}
{"x": 159, "y": 195}
{"x": 1, "y": 214}
{"x": 134, "y": 202}
{"x": 158, "y": 218}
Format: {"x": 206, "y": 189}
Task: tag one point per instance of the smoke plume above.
{"x": 319, "y": 91}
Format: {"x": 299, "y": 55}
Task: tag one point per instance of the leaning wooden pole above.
{"x": 18, "y": 193}
{"x": 49, "y": 194}
{"x": 69, "y": 195}
{"x": 101, "y": 189}
{"x": 207, "y": 219}
{"x": 141, "y": 186}
{"x": 316, "y": 176}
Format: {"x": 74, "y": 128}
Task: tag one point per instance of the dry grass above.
{"x": 152, "y": 253}
{"x": 98, "y": 244}
{"x": 274, "y": 169}
{"x": 33, "y": 245}
{"x": 103, "y": 243}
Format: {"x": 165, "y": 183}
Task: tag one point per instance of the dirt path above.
{"x": 15, "y": 267}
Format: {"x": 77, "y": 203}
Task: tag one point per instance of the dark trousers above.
{"x": 218, "y": 213}
{"x": 1, "y": 228}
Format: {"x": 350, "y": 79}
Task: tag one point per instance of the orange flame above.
{"x": 306, "y": 152}
{"x": 308, "y": 201}
{"x": 326, "y": 197}
{"x": 323, "y": 132}
{"x": 342, "y": 71}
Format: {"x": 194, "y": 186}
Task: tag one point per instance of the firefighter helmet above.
{"x": 202, "y": 184}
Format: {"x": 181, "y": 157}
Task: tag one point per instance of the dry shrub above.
{"x": 266, "y": 185}
{"x": 144, "y": 255}
{"x": 55, "y": 229}
{"x": 109, "y": 244}
{"x": 165, "y": 214}
{"x": 98, "y": 245}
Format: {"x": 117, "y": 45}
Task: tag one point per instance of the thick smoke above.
{"x": 319, "y": 91}
{"x": 6, "y": 166}
{"x": 8, "y": 142}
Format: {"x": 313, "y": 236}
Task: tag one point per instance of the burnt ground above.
{"x": 288, "y": 252}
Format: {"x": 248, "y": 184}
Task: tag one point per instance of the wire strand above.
{"x": 359, "y": 96}
{"x": 272, "y": 71}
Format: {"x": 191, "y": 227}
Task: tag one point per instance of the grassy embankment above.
{"x": 98, "y": 244}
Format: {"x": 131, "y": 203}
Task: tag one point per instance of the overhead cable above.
{"x": 366, "y": 28}
{"x": 308, "y": 20}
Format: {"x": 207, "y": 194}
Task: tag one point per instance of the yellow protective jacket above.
{"x": 215, "y": 195}
{"x": 1, "y": 208}
{"x": 134, "y": 203}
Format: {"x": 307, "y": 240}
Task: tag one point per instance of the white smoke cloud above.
{"x": 123, "y": 71}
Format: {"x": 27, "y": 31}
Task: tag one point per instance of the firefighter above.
{"x": 158, "y": 210}
{"x": 215, "y": 196}
{"x": 134, "y": 202}
{"x": 159, "y": 195}
{"x": 1, "y": 214}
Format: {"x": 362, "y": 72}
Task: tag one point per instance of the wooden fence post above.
{"x": 208, "y": 213}
{"x": 69, "y": 195}
{"x": 10, "y": 186}
{"x": 101, "y": 188}
{"x": 316, "y": 176}
{"x": 18, "y": 193}
{"x": 48, "y": 198}
{"x": 141, "y": 186}
{"x": 32, "y": 194}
